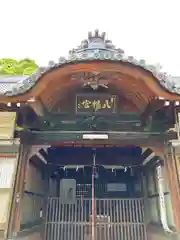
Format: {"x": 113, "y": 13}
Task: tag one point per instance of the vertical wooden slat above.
{"x": 107, "y": 225}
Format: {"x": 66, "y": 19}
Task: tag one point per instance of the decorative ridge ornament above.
{"x": 96, "y": 41}
{"x": 95, "y": 48}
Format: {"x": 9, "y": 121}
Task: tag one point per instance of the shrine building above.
{"x": 89, "y": 147}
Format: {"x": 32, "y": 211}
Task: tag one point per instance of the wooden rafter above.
{"x": 58, "y": 77}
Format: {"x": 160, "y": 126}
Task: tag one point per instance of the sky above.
{"x": 44, "y": 30}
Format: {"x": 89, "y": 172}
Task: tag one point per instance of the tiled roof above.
{"x": 8, "y": 82}
{"x": 95, "y": 48}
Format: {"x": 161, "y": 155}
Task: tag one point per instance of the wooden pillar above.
{"x": 177, "y": 161}
{"x": 172, "y": 175}
{"x": 15, "y": 220}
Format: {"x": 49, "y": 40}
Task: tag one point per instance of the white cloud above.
{"x": 45, "y": 30}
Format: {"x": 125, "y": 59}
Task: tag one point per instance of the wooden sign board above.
{"x": 7, "y": 125}
{"x": 96, "y": 104}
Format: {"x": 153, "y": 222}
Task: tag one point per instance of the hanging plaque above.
{"x": 96, "y": 103}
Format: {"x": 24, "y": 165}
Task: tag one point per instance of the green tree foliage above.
{"x": 12, "y": 67}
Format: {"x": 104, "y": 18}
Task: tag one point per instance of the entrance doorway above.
{"x": 125, "y": 202}
{"x": 110, "y": 207}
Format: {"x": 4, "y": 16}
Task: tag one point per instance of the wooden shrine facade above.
{"x": 98, "y": 88}
{"x": 98, "y": 96}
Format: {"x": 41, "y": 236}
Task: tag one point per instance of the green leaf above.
{"x": 12, "y": 67}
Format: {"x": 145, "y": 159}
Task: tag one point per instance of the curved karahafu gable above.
{"x": 96, "y": 48}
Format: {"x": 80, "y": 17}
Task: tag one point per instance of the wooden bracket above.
{"x": 38, "y": 107}
{"x": 152, "y": 107}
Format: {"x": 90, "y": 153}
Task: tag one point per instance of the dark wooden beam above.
{"x": 115, "y": 138}
{"x": 81, "y": 160}
{"x": 11, "y": 107}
